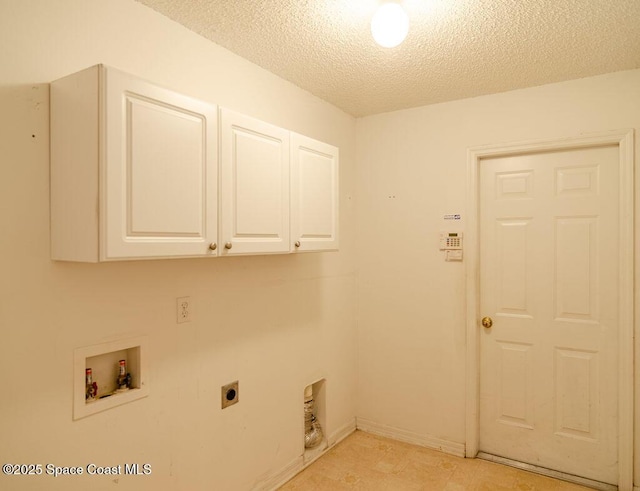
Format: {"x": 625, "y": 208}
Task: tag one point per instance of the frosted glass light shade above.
{"x": 389, "y": 25}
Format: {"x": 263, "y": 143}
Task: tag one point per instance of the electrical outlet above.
{"x": 184, "y": 309}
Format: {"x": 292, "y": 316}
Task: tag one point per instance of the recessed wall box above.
{"x": 104, "y": 361}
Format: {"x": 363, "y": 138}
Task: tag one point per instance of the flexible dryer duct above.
{"x": 312, "y": 428}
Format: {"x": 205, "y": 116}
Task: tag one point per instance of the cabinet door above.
{"x": 159, "y": 171}
{"x": 314, "y": 195}
{"x": 254, "y": 186}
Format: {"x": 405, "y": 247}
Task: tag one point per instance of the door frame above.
{"x": 624, "y": 139}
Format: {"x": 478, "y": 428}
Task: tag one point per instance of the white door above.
{"x": 159, "y": 180}
{"x": 254, "y": 186}
{"x": 314, "y": 195}
{"x": 549, "y": 281}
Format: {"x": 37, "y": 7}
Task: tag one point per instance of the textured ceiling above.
{"x": 455, "y": 48}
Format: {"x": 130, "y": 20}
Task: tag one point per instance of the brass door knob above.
{"x": 228, "y": 245}
{"x": 297, "y": 244}
{"x": 213, "y": 246}
{"x": 487, "y": 322}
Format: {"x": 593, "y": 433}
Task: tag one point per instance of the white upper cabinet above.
{"x": 254, "y": 190}
{"x": 133, "y": 169}
{"x": 314, "y": 195}
{"x": 135, "y": 175}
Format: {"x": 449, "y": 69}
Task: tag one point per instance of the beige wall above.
{"x": 275, "y": 323}
{"x": 412, "y": 171}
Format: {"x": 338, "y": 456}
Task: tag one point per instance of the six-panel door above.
{"x": 549, "y": 281}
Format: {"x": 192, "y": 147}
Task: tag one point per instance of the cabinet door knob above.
{"x": 297, "y": 244}
{"x": 487, "y": 322}
{"x": 213, "y": 246}
{"x": 228, "y": 245}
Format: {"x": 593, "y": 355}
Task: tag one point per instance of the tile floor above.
{"x": 370, "y": 462}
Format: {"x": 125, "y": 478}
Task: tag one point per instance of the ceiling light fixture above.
{"x": 390, "y": 25}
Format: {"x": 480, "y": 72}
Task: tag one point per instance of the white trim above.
{"x": 472, "y": 371}
{"x": 583, "y": 481}
{"x": 624, "y": 140}
{"x": 276, "y": 480}
{"x": 297, "y": 465}
{"x": 313, "y": 454}
{"x": 626, "y": 315}
{"x": 343, "y": 432}
{"x": 446, "y": 446}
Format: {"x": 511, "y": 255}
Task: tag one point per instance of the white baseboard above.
{"x": 277, "y": 479}
{"x": 583, "y": 481}
{"x": 446, "y": 446}
{"x": 343, "y": 432}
